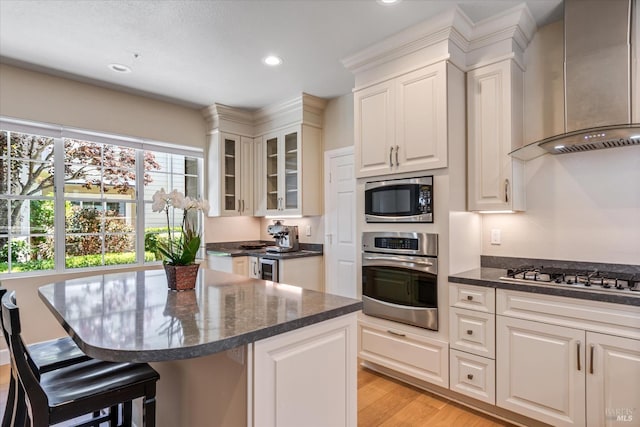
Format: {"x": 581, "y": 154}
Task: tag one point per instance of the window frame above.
{"x": 59, "y": 133}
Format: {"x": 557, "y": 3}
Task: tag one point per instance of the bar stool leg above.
{"x": 11, "y": 403}
{"x": 127, "y": 414}
{"x": 149, "y": 411}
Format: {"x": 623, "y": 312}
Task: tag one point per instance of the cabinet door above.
{"x": 246, "y": 178}
{"x": 613, "y": 381}
{"x": 540, "y": 371}
{"x": 289, "y": 191}
{"x": 254, "y": 267}
{"x": 307, "y": 376}
{"x": 271, "y": 173}
{"x": 494, "y": 98}
{"x": 374, "y": 130}
{"x": 421, "y": 119}
{"x": 230, "y": 174}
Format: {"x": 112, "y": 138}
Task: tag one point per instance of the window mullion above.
{"x": 59, "y": 215}
{"x": 140, "y": 220}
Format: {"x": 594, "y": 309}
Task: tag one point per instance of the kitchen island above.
{"x": 235, "y": 351}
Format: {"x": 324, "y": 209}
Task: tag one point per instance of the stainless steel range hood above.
{"x": 599, "y": 79}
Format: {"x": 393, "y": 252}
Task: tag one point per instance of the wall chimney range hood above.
{"x": 601, "y": 79}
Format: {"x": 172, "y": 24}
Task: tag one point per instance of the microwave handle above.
{"x": 397, "y": 259}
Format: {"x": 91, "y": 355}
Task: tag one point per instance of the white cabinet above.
{"x": 495, "y": 115}
{"x": 473, "y": 376}
{"x": 236, "y": 265}
{"x": 291, "y": 181}
{"x": 541, "y": 371}
{"x": 554, "y": 354}
{"x": 230, "y": 174}
{"x": 472, "y": 335}
{"x": 306, "y": 272}
{"x": 613, "y": 381}
{"x": 400, "y": 124}
{"x": 307, "y": 376}
{"x": 401, "y": 350}
{"x": 254, "y": 267}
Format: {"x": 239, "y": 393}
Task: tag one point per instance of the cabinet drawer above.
{"x": 472, "y": 331}
{"x": 473, "y": 376}
{"x": 477, "y": 298}
{"x": 417, "y": 356}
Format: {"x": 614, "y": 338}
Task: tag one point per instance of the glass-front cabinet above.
{"x": 230, "y": 175}
{"x": 282, "y": 172}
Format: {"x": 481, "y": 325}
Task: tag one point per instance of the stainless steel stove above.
{"x": 594, "y": 280}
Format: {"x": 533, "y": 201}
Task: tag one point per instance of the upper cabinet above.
{"x": 266, "y": 162}
{"x": 291, "y": 181}
{"x": 230, "y": 162}
{"x": 401, "y": 124}
{"x": 494, "y": 114}
{"x": 231, "y": 174}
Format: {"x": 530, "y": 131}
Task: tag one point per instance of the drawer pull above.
{"x": 469, "y": 297}
{"x": 398, "y": 334}
{"x": 470, "y": 376}
{"x": 469, "y": 332}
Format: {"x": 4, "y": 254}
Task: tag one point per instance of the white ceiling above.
{"x": 200, "y": 52}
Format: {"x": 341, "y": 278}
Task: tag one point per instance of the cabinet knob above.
{"x": 470, "y": 376}
{"x": 470, "y": 297}
{"x": 469, "y": 332}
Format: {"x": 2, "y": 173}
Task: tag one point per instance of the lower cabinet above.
{"x": 411, "y": 354}
{"x": 541, "y": 371}
{"x": 306, "y": 272}
{"x": 228, "y": 264}
{"x": 307, "y": 377}
{"x": 473, "y": 376}
{"x": 613, "y": 381}
{"x": 573, "y": 375}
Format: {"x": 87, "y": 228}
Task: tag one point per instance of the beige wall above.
{"x": 40, "y": 97}
{"x": 580, "y": 206}
{"x": 338, "y": 123}
{"x": 231, "y": 229}
{"x": 316, "y": 223}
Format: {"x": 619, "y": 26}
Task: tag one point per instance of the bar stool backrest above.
{"x": 28, "y": 377}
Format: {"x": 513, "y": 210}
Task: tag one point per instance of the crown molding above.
{"x": 305, "y": 109}
{"x": 452, "y": 28}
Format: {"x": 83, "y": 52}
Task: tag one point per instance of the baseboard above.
{"x": 4, "y": 357}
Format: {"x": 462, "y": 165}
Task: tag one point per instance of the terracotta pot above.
{"x": 181, "y": 277}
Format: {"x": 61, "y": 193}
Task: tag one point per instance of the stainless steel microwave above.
{"x": 399, "y": 200}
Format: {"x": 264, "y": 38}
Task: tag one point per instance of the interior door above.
{"x": 340, "y": 223}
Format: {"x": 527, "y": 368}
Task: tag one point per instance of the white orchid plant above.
{"x": 182, "y": 249}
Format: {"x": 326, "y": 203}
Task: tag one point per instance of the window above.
{"x": 89, "y": 214}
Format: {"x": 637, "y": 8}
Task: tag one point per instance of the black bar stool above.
{"x": 82, "y": 388}
{"x": 46, "y": 357}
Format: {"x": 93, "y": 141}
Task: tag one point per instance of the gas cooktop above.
{"x": 577, "y": 279}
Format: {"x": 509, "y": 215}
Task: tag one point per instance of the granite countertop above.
{"x": 235, "y": 249}
{"x": 262, "y": 253}
{"x": 490, "y": 277}
{"x": 133, "y": 317}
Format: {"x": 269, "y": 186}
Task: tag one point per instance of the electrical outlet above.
{"x": 236, "y": 354}
{"x": 496, "y": 237}
{"x": 308, "y": 231}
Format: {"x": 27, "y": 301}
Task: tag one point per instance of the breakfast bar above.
{"x": 234, "y": 351}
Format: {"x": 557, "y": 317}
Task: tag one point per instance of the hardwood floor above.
{"x": 385, "y": 402}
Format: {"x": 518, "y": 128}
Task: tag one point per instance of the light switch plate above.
{"x": 496, "y": 237}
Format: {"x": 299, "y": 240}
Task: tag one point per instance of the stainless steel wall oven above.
{"x": 400, "y": 277}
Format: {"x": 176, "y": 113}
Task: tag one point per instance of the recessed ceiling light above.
{"x": 388, "y": 2}
{"x": 272, "y": 60}
{"x": 119, "y": 68}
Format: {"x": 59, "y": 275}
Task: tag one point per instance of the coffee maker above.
{"x": 286, "y": 237}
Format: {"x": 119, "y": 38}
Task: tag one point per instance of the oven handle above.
{"x": 412, "y": 260}
{"x": 427, "y": 265}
